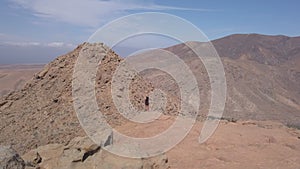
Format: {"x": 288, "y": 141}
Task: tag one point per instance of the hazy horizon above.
{"x": 37, "y": 32}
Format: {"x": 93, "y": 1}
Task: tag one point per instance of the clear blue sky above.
{"x": 56, "y": 26}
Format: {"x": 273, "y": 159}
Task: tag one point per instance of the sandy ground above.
{"x": 244, "y": 144}
{"x": 13, "y": 77}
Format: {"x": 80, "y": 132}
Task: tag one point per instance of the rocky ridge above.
{"x": 42, "y": 112}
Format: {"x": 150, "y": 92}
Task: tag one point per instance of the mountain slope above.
{"x": 42, "y": 112}
{"x": 262, "y": 74}
{"x": 258, "y": 88}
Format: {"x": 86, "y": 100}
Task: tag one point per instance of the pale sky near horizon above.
{"x": 36, "y": 31}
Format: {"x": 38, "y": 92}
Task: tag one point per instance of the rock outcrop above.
{"x": 82, "y": 153}
{"x": 10, "y": 159}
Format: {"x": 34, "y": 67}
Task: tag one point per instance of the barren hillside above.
{"x": 262, "y": 74}
{"x": 263, "y": 82}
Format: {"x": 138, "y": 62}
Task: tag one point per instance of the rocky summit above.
{"x": 42, "y": 114}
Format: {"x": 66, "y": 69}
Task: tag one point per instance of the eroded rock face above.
{"x": 82, "y": 153}
{"x": 10, "y": 159}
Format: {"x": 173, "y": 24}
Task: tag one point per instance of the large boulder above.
{"x": 82, "y": 153}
